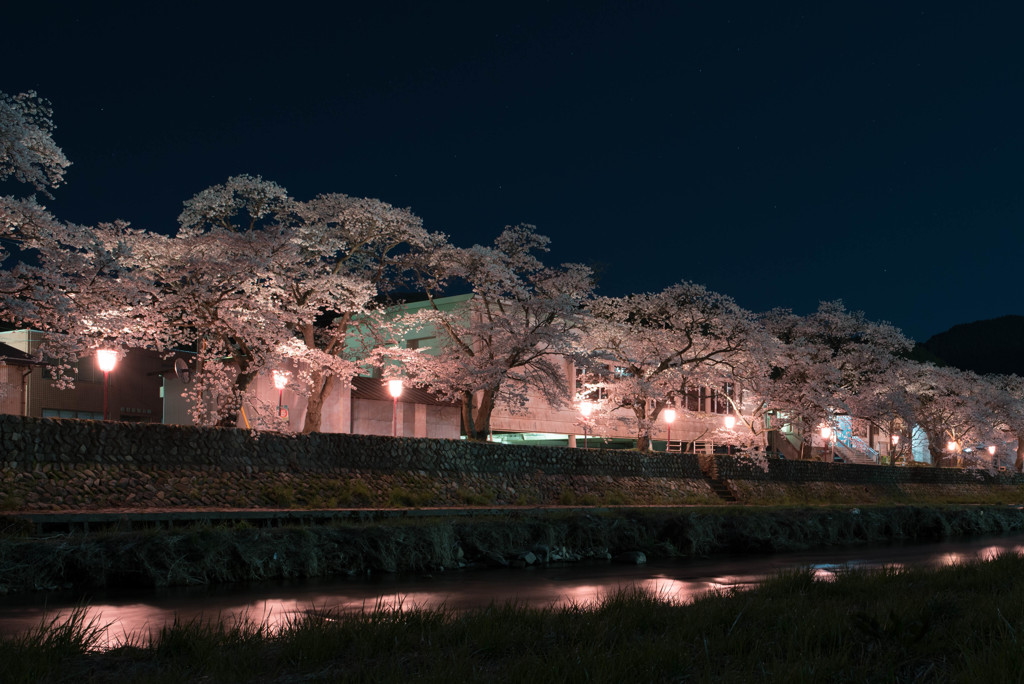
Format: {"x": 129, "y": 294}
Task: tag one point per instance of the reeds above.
{"x": 206, "y": 554}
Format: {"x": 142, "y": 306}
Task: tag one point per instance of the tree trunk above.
{"x": 482, "y": 424}
{"x": 321, "y": 387}
{"x": 468, "y": 426}
{"x": 643, "y": 432}
{"x": 242, "y": 382}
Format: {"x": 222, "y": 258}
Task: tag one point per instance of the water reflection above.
{"x": 140, "y": 612}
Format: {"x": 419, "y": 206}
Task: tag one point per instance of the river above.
{"x": 139, "y": 611}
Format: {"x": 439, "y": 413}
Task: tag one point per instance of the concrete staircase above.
{"x": 851, "y": 455}
{"x": 709, "y": 468}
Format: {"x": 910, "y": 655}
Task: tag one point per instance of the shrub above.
{"x": 472, "y": 498}
{"x": 279, "y": 494}
{"x": 400, "y": 496}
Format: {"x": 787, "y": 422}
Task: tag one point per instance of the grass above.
{"x": 206, "y": 554}
{"x": 961, "y": 623}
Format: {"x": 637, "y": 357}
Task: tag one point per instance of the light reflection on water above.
{"x": 140, "y": 612}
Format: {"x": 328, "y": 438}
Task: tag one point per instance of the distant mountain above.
{"x": 992, "y": 346}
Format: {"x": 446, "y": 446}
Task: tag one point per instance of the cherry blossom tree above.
{"x": 951, "y": 408}
{"x": 663, "y": 345}
{"x": 344, "y": 251}
{"x": 511, "y": 336}
{"x": 62, "y": 277}
{"x": 1006, "y": 399}
{"x": 828, "y": 357}
{"x": 28, "y": 154}
{"x": 212, "y": 285}
{"x": 888, "y": 404}
{"x": 27, "y": 149}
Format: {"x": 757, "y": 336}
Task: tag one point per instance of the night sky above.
{"x": 872, "y": 152}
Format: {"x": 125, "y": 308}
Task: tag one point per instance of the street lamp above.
{"x": 951, "y": 447}
{"x": 395, "y": 390}
{"x": 107, "y": 359}
{"x": 826, "y": 433}
{"x": 730, "y": 423}
{"x": 895, "y": 444}
{"x": 670, "y": 416}
{"x": 992, "y": 453}
{"x": 586, "y": 408}
{"x": 280, "y": 382}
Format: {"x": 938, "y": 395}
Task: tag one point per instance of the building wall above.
{"x": 133, "y": 392}
{"x": 12, "y": 388}
{"x": 344, "y": 412}
{"x": 370, "y": 417}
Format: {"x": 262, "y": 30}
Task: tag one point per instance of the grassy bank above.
{"x": 961, "y": 623}
{"x": 217, "y": 554}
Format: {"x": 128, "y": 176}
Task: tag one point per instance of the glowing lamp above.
{"x": 895, "y": 440}
{"x": 991, "y": 449}
{"x": 280, "y": 382}
{"x": 951, "y": 445}
{"x": 826, "y": 432}
{"x": 586, "y": 408}
{"x": 670, "y": 415}
{"x": 395, "y": 388}
{"x": 730, "y": 422}
{"x": 107, "y": 359}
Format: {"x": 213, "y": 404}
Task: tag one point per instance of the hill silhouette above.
{"x": 991, "y": 346}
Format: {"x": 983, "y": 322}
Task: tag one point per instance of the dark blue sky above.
{"x": 872, "y": 152}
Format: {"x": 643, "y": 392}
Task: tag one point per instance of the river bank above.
{"x": 957, "y": 623}
{"x": 202, "y": 554}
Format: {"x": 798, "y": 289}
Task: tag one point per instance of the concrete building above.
{"x": 133, "y": 392}
{"x": 364, "y": 407}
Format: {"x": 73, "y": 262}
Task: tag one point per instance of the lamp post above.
{"x": 586, "y": 408}
{"x": 826, "y": 433}
{"x": 670, "y": 416}
{"x": 992, "y": 453}
{"x": 107, "y": 359}
{"x": 895, "y": 444}
{"x": 951, "y": 447}
{"x": 395, "y": 390}
{"x": 280, "y": 382}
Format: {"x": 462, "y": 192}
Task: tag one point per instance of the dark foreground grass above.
{"x": 963, "y": 623}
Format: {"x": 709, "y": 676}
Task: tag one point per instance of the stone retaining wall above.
{"x": 53, "y": 464}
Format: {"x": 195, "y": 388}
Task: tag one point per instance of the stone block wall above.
{"x": 68, "y": 464}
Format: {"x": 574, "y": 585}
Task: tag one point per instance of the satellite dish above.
{"x": 181, "y": 370}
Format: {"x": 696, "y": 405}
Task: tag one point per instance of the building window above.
{"x": 692, "y": 400}
{"x": 720, "y": 398}
{"x": 418, "y": 342}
